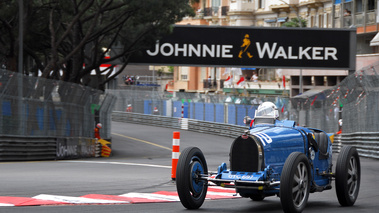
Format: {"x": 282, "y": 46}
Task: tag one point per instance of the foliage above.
{"x": 170, "y": 69}
{"x": 294, "y": 22}
{"x": 62, "y": 35}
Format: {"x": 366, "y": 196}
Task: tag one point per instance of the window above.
{"x": 216, "y": 3}
{"x": 312, "y": 21}
{"x": 321, "y": 20}
{"x": 328, "y": 24}
{"x": 371, "y": 5}
{"x": 203, "y": 73}
{"x": 184, "y": 73}
{"x": 261, "y": 4}
{"x": 358, "y": 6}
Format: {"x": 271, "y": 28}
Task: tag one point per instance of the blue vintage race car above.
{"x": 273, "y": 158}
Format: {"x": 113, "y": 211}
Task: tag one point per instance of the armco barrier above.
{"x": 14, "y": 148}
{"x": 19, "y": 148}
{"x": 365, "y": 142}
{"x": 227, "y": 130}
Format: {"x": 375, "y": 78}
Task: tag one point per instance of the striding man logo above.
{"x": 245, "y": 50}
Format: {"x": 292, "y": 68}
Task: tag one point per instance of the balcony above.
{"x": 224, "y": 10}
{"x": 208, "y": 12}
{"x": 239, "y": 7}
{"x": 215, "y": 13}
{"x": 371, "y": 18}
{"x": 211, "y": 12}
{"x": 209, "y": 85}
{"x": 311, "y": 3}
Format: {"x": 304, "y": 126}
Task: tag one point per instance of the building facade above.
{"x": 359, "y": 14}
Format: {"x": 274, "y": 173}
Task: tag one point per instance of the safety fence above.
{"x": 16, "y": 148}
{"x": 354, "y": 103}
{"x": 36, "y": 110}
{"x": 221, "y": 129}
{"x": 228, "y": 109}
{"x": 365, "y": 142}
{"x": 228, "y": 130}
{"x": 32, "y": 106}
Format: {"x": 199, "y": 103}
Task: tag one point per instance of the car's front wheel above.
{"x": 295, "y": 183}
{"x": 191, "y": 189}
{"x": 348, "y": 176}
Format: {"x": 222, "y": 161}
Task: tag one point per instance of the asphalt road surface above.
{"x": 141, "y": 163}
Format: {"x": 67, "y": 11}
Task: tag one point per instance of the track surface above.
{"x": 139, "y": 172}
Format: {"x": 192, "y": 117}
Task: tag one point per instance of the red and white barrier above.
{"x": 175, "y": 153}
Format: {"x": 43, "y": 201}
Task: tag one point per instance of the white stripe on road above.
{"x": 76, "y": 200}
{"x": 6, "y": 204}
{"x": 151, "y": 196}
{"x": 118, "y": 163}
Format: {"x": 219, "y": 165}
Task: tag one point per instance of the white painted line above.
{"x": 118, "y": 163}
{"x": 6, "y": 204}
{"x": 76, "y": 200}
{"x": 152, "y": 196}
{"x": 222, "y": 194}
{"x": 232, "y": 190}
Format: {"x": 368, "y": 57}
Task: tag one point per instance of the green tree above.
{"x": 294, "y": 22}
{"x": 62, "y": 35}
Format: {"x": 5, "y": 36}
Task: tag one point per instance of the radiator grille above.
{"x": 244, "y": 155}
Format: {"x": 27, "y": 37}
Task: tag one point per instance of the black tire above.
{"x": 348, "y": 176}
{"x": 191, "y": 190}
{"x": 295, "y": 183}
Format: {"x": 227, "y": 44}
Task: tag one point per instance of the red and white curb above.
{"x": 213, "y": 193}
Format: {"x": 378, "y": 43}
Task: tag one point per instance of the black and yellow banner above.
{"x": 254, "y": 47}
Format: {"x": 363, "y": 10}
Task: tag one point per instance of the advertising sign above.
{"x": 254, "y": 47}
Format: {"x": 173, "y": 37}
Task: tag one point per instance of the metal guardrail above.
{"x": 337, "y": 144}
{"x": 365, "y": 142}
{"x": 221, "y": 129}
{"x": 25, "y": 148}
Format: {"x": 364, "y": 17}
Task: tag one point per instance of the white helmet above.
{"x": 267, "y": 109}
{"x": 99, "y": 125}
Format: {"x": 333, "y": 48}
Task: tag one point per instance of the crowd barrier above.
{"x": 366, "y": 143}
{"x": 22, "y": 148}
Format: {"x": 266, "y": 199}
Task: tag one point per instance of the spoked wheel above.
{"x": 295, "y": 183}
{"x": 348, "y": 176}
{"x": 191, "y": 189}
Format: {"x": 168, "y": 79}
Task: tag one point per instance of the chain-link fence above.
{"x": 32, "y": 106}
{"x": 210, "y": 107}
{"x": 354, "y": 103}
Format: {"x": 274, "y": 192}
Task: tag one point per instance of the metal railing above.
{"x": 366, "y": 143}
{"x": 25, "y": 148}
{"x": 45, "y": 107}
{"x": 221, "y": 129}
{"x": 43, "y": 119}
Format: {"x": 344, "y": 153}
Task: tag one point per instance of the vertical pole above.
{"x": 20, "y": 65}
{"x": 175, "y": 153}
{"x": 182, "y": 110}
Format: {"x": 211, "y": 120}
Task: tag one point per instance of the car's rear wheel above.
{"x": 191, "y": 189}
{"x": 348, "y": 176}
{"x": 295, "y": 183}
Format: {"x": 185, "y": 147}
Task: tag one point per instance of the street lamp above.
{"x": 300, "y": 25}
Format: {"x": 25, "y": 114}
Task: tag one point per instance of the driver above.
{"x": 267, "y": 110}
